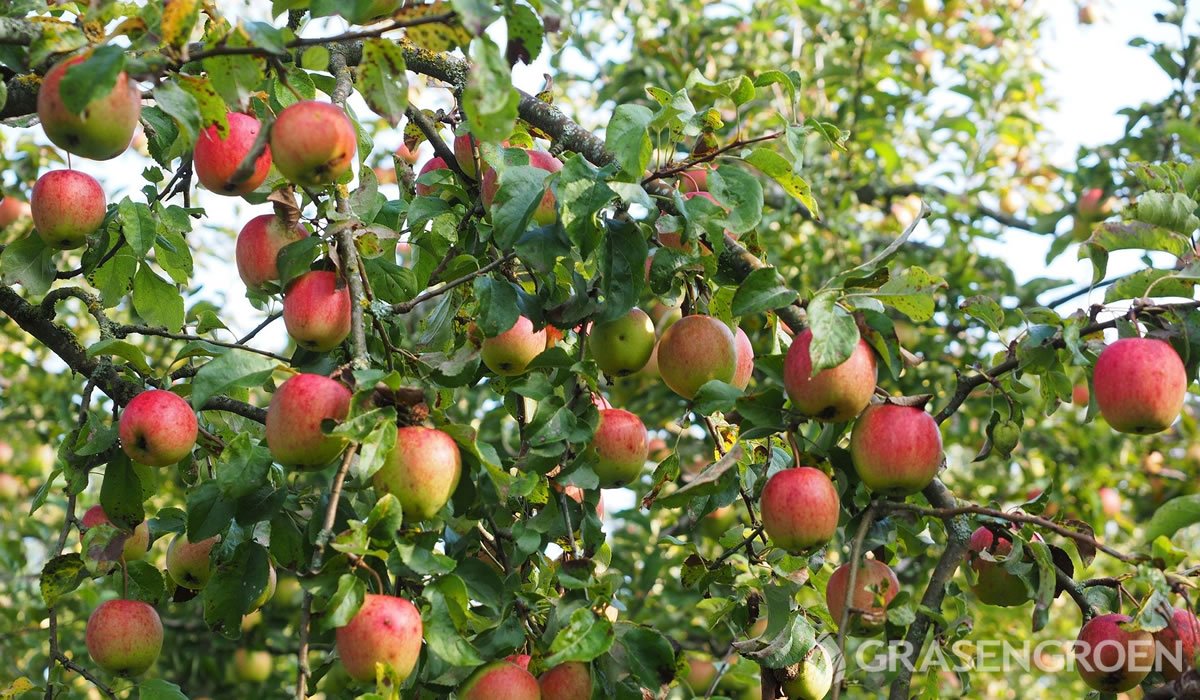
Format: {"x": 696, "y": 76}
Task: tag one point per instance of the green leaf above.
{"x": 446, "y": 623}
{"x": 61, "y": 575}
{"x": 233, "y": 588}
{"x": 707, "y": 482}
{"x": 234, "y": 77}
{"x": 122, "y": 349}
{"x": 137, "y": 225}
{"x": 742, "y": 193}
{"x": 1159, "y": 283}
{"x": 525, "y": 34}
{"x": 911, "y": 293}
{"x": 780, "y": 170}
{"x": 985, "y": 309}
{"x": 627, "y": 137}
{"x": 294, "y": 259}
{"x": 787, "y": 647}
{"x": 1173, "y": 516}
{"x": 497, "y": 305}
{"x": 649, "y": 654}
{"x": 121, "y": 493}
{"x": 383, "y": 79}
{"x": 1171, "y": 210}
{"x": 521, "y": 190}
{"x": 622, "y": 268}
{"x": 585, "y": 637}
{"x": 582, "y": 194}
{"x": 834, "y": 332}
{"x": 242, "y": 466}
{"x": 93, "y": 77}
{"x": 145, "y": 582}
{"x": 156, "y": 300}
{"x": 1131, "y": 235}
{"x": 715, "y": 396}
{"x": 235, "y": 368}
{"x": 208, "y": 512}
{"x": 475, "y": 15}
{"x": 489, "y": 99}
{"x": 762, "y": 290}
{"x": 159, "y": 689}
{"x": 29, "y": 263}
{"x": 183, "y": 108}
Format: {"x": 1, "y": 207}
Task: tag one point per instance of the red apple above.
{"x": 1091, "y": 205}
{"x": 896, "y": 450}
{"x": 571, "y": 680}
{"x": 67, "y": 207}
{"x": 993, "y": 584}
{"x": 258, "y": 246}
{"x": 836, "y": 394}
{"x": 695, "y": 350}
{"x": 546, "y": 214}
{"x": 500, "y": 680}
{"x": 124, "y": 637}
{"x": 421, "y": 471}
{"x": 509, "y": 353}
{"x": 189, "y": 563}
{"x": 1110, "y": 501}
{"x": 386, "y": 630}
{"x": 464, "y": 153}
{"x": 695, "y": 180}
{"x": 406, "y": 155}
{"x": 1177, "y": 644}
{"x": 1112, "y": 659}
{"x": 103, "y": 129}
{"x": 12, "y": 210}
{"x": 157, "y": 428}
{"x": 1081, "y": 395}
{"x": 800, "y": 508}
{"x": 313, "y": 143}
{"x": 745, "y": 360}
{"x": 521, "y": 660}
{"x": 217, "y": 158}
{"x": 619, "y": 448}
{"x": 700, "y": 674}
{"x": 433, "y": 164}
{"x": 293, "y": 426}
{"x": 1140, "y": 384}
{"x": 875, "y": 586}
{"x": 316, "y": 310}
{"x": 136, "y": 543}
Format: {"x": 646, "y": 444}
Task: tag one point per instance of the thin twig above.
{"x": 404, "y": 307}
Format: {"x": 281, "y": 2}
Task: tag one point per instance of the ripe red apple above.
{"x": 316, "y": 310}
{"x": 800, "y": 508}
{"x": 1081, "y": 395}
{"x": 745, "y": 360}
{"x": 521, "y": 660}
{"x": 12, "y": 210}
{"x": 1111, "y": 659}
{"x": 500, "y": 680}
{"x": 431, "y": 165}
{"x": 386, "y": 630}
{"x": 875, "y": 585}
{"x": 509, "y": 353}
{"x": 189, "y": 563}
{"x": 215, "y": 158}
{"x": 421, "y": 471}
{"x": 545, "y": 214}
{"x": 1110, "y": 501}
{"x": 258, "y": 246}
{"x": 897, "y": 450}
{"x": 1091, "y": 204}
{"x": 815, "y": 677}
{"x": 695, "y": 180}
{"x": 251, "y": 666}
{"x": 1140, "y": 384}
{"x": 571, "y": 680}
{"x": 993, "y": 585}
{"x": 313, "y": 143}
{"x": 67, "y": 207}
{"x": 124, "y": 637}
{"x": 1177, "y": 643}
{"x": 406, "y": 155}
{"x": 157, "y": 428}
{"x": 136, "y": 544}
{"x": 103, "y": 129}
{"x": 619, "y": 448}
{"x": 694, "y": 350}
{"x": 836, "y": 394}
{"x": 623, "y": 345}
{"x": 464, "y": 153}
{"x": 294, "y": 418}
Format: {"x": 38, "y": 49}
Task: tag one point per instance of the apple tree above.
{"x": 699, "y": 372}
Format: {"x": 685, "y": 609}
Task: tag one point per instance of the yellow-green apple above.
{"x": 43, "y": 457}
{"x": 815, "y": 677}
{"x": 993, "y": 584}
{"x": 267, "y": 592}
{"x": 1140, "y": 384}
{"x": 433, "y": 164}
{"x": 258, "y": 246}
{"x": 157, "y": 428}
{"x": 316, "y": 310}
{"x": 875, "y": 586}
{"x": 700, "y": 674}
{"x": 386, "y": 630}
{"x": 124, "y": 637}
{"x": 745, "y": 360}
{"x": 799, "y": 508}
{"x": 1177, "y": 644}
{"x": 619, "y": 448}
{"x": 835, "y": 394}
{"x": 103, "y": 129}
{"x": 1011, "y": 202}
{"x": 509, "y": 353}
{"x": 67, "y": 206}
{"x": 313, "y": 143}
{"x": 288, "y": 592}
{"x": 12, "y": 210}
{"x": 298, "y": 409}
{"x": 136, "y": 544}
{"x": 464, "y": 153}
{"x": 1111, "y": 657}
{"x": 694, "y": 180}
{"x": 500, "y": 680}
{"x": 695, "y": 350}
{"x": 421, "y": 471}
{"x": 189, "y": 563}
{"x": 251, "y": 666}
{"x": 571, "y": 680}
{"x": 10, "y": 487}
{"x": 215, "y": 159}
{"x": 896, "y": 450}
{"x": 623, "y": 345}
{"x": 545, "y": 214}
{"x": 1081, "y": 395}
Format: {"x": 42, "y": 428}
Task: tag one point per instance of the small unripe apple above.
{"x": 12, "y": 210}
{"x": 875, "y": 586}
{"x": 313, "y": 143}
{"x": 136, "y": 544}
{"x": 1140, "y": 384}
{"x": 695, "y": 350}
{"x": 464, "y": 153}
{"x": 500, "y": 680}
{"x": 297, "y": 410}
{"x": 103, "y": 129}
{"x": 1177, "y": 644}
{"x": 258, "y": 246}
{"x": 251, "y": 666}
{"x": 800, "y": 508}
{"x": 509, "y": 353}
{"x": 189, "y": 563}
{"x": 571, "y": 680}
{"x": 216, "y": 158}
{"x": 432, "y": 165}
{"x": 619, "y": 448}
{"x": 157, "y": 428}
{"x": 545, "y": 214}
{"x": 421, "y": 471}
{"x": 836, "y": 394}
{"x": 700, "y": 674}
{"x": 67, "y": 206}
{"x": 896, "y": 450}
{"x": 1111, "y": 659}
{"x": 815, "y": 677}
{"x": 267, "y": 592}
{"x": 993, "y": 584}
{"x": 316, "y": 310}
{"x": 745, "y": 360}
{"x": 623, "y": 345}
{"x": 386, "y": 630}
{"x": 1081, "y": 395}
{"x": 124, "y": 637}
